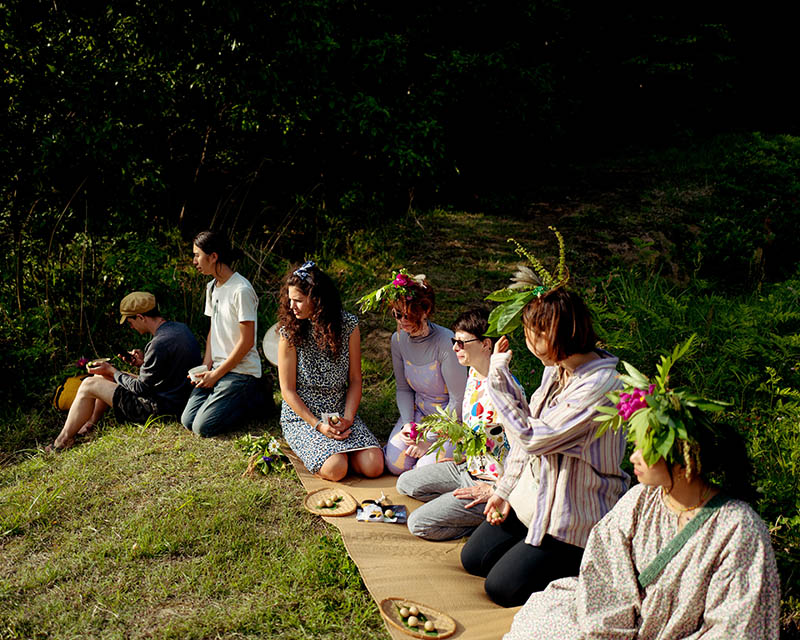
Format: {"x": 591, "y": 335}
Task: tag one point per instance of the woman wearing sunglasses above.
{"x": 426, "y": 370}
{"x": 455, "y": 493}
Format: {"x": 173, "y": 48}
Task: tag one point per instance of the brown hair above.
{"x": 564, "y": 319}
{"x": 475, "y": 322}
{"x": 422, "y": 302}
{"x": 325, "y": 323}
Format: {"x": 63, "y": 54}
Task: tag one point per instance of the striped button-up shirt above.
{"x": 579, "y": 474}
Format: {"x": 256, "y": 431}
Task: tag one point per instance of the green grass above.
{"x": 155, "y": 533}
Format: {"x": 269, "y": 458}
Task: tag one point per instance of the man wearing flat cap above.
{"x": 161, "y": 388}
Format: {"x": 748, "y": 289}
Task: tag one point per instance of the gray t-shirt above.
{"x": 167, "y": 359}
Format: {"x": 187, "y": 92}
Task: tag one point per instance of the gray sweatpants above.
{"x": 443, "y": 517}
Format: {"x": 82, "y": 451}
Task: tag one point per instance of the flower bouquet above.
{"x": 658, "y": 415}
{"x": 264, "y": 453}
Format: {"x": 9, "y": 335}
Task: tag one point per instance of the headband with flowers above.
{"x": 527, "y": 284}
{"x": 397, "y": 289}
{"x": 664, "y": 422}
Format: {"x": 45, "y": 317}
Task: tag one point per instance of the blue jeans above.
{"x": 212, "y": 411}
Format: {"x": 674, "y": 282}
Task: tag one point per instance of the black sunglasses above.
{"x": 461, "y": 343}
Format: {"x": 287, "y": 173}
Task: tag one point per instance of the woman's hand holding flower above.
{"x": 207, "y": 379}
{"x": 409, "y": 434}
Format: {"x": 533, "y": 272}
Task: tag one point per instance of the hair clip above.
{"x": 304, "y": 272}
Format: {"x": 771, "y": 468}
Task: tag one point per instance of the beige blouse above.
{"x": 723, "y": 583}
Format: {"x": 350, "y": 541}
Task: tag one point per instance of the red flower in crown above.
{"x": 401, "y": 280}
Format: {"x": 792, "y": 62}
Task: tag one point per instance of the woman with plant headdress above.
{"x": 319, "y": 368}
{"x": 559, "y": 479}
{"x": 426, "y": 371}
{"x": 229, "y": 390}
{"x": 678, "y": 556}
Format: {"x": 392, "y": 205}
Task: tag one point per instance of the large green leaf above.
{"x": 506, "y": 317}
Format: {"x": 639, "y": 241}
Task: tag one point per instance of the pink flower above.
{"x": 493, "y": 467}
{"x": 413, "y": 433}
{"x": 490, "y": 444}
{"x": 630, "y": 403}
{"x": 82, "y": 362}
{"x": 400, "y": 280}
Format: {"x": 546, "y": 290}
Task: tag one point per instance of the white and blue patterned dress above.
{"x": 322, "y": 384}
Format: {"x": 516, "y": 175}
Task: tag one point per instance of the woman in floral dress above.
{"x": 319, "y": 368}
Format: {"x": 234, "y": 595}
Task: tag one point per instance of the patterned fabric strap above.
{"x": 652, "y": 571}
{"x": 304, "y": 272}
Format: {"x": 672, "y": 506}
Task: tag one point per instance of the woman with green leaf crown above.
{"x": 559, "y": 479}
{"x": 679, "y": 556}
{"x": 426, "y": 371}
{"x": 456, "y": 491}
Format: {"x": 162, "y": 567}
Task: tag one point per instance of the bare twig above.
{"x": 197, "y": 170}
{"x": 50, "y": 249}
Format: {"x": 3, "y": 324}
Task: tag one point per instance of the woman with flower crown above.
{"x": 426, "y": 370}
{"x": 678, "y": 556}
{"x": 319, "y": 369}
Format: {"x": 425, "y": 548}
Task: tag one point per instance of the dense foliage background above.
{"x": 661, "y": 141}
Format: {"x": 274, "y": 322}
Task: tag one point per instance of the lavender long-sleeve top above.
{"x": 427, "y": 373}
{"x": 580, "y": 478}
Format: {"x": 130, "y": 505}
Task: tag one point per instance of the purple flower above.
{"x": 413, "y": 433}
{"x": 400, "y": 280}
{"x": 82, "y": 362}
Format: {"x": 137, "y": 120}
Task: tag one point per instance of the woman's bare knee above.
{"x": 334, "y": 468}
{"x": 368, "y": 462}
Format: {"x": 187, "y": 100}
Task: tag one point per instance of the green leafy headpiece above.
{"x": 664, "y": 422}
{"x": 400, "y": 288}
{"x": 527, "y": 283}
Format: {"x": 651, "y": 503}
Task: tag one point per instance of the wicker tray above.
{"x": 345, "y": 507}
{"x": 445, "y": 625}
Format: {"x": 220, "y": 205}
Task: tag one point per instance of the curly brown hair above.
{"x": 422, "y": 302}
{"x": 325, "y": 323}
{"x": 564, "y": 319}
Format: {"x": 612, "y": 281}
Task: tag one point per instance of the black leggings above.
{"x": 513, "y": 569}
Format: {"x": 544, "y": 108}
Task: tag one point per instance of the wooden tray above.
{"x": 445, "y": 625}
{"x": 346, "y": 506}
